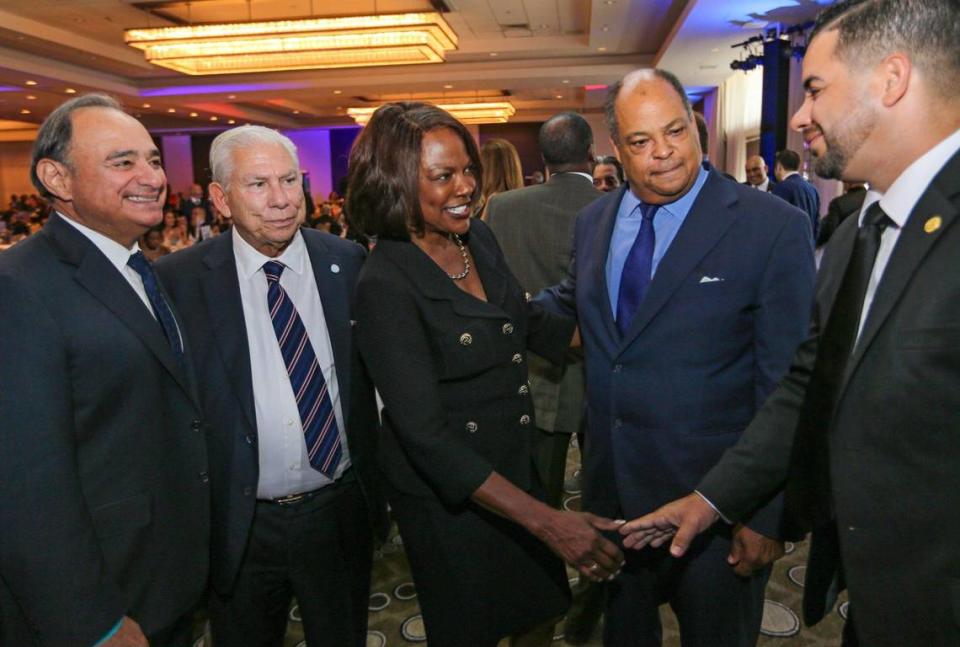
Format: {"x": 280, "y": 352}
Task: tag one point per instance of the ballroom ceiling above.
{"x": 544, "y": 55}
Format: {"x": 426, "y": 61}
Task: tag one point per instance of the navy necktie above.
{"x": 161, "y": 308}
{"x": 808, "y": 497}
{"x": 637, "y": 270}
{"x": 320, "y": 431}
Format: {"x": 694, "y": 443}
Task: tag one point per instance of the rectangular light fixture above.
{"x": 485, "y": 112}
{"x": 308, "y": 43}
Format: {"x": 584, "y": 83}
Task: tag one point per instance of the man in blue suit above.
{"x": 691, "y": 293}
{"x": 794, "y": 189}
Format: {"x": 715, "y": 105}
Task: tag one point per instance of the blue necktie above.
{"x": 637, "y": 270}
{"x": 310, "y": 389}
{"x": 161, "y": 308}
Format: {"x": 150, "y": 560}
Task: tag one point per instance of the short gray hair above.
{"x": 56, "y": 133}
{"x": 610, "y": 104}
{"x": 222, "y": 148}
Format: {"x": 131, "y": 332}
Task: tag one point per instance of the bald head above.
{"x": 756, "y": 169}
{"x": 630, "y": 83}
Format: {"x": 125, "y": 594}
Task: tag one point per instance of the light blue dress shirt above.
{"x": 666, "y": 224}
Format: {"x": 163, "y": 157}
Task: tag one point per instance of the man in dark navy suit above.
{"x": 292, "y": 414}
{"x": 794, "y": 189}
{"x": 691, "y": 293}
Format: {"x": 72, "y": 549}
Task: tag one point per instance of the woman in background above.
{"x": 443, "y": 327}
{"x": 501, "y": 170}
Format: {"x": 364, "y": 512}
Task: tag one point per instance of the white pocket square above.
{"x": 711, "y": 279}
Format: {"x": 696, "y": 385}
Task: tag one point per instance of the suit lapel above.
{"x": 328, "y": 271}
{"x": 595, "y": 257}
{"x": 709, "y": 218}
{"x": 912, "y": 246}
{"x": 98, "y": 276}
{"x": 221, "y": 290}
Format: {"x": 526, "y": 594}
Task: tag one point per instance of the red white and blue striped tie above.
{"x": 313, "y": 401}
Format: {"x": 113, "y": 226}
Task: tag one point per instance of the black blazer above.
{"x": 840, "y": 207}
{"x": 894, "y": 442}
{"x": 103, "y": 463}
{"x": 451, "y": 369}
{"x": 203, "y": 283}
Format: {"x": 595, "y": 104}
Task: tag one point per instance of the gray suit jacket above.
{"x": 534, "y": 226}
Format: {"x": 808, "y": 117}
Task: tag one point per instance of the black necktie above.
{"x": 161, "y": 308}
{"x": 808, "y": 494}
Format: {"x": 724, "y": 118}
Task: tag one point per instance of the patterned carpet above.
{"x": 395, "y": 620}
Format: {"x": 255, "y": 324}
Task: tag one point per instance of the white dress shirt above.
{"x": 898, "y": 202}
{"x": 763, "y": 186}
{"x": 284, "y": 466}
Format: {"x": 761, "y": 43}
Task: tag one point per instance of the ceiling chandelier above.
{"x": 482, "y": 112}
{"x": 308, "y": 43}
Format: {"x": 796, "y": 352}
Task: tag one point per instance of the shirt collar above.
{"x": 677, "y": 209}
{"x": 250, "y": 261}
{"x": 580, "y": 173}
{"x": 904, "y": 194}
{"x": 116, "y": 253}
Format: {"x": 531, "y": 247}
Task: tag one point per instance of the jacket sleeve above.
{"x": 394, "y": 343}
{"x": 780, "y": 325}
{"x": 50, "y": 558}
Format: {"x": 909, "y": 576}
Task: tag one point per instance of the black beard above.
{"x": 831, "y": 164}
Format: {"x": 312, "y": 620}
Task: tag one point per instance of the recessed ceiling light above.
{"x": 493, "y": 54}
{"x": 338, "y": 91}
{"x": 193, "y": 114}
{"x": 30, "y": 97}
{"x": 70, "y": 91}
{"x": 147, "y": 105}
{"x": 171, "y": 110}
{"x": 448, "y": 86}
{"x": 214, "y": 118}
{"x": 30, "y": 83}
{"x": 296, "y": 112}
{"x": 24, "y": 112}
{"x": 601, "y": 49}
{"x": 231, "y": 96}
{"x": 609, "y": 3}
{"x": 566, "y": 81}
{"x": 231, "y": 121}
{"x": 559, "y": 96}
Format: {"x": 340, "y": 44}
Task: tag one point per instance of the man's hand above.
{"x": 575, "y": 537}
{"x": 128, "y": 635}
{"x": 750, "y": 551}
{"x": 682, "y": 519}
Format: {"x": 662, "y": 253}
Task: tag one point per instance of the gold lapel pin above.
{"x": 932, "y": 224}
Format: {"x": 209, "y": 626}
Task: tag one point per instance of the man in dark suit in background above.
{"x": 691, "y": 294}
{"x": 534, "y": 227}
{"x": 840, "y": 208}
{"x": 104, "y": 520}
{"x": 794, "y": 189}
{"x": 757, "y": 177}
{"x": 292, "y": 413}
{"x": 863, "y": 430}
{"x": 195, "y": 199}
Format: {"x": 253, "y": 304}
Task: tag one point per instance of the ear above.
{"x": 896, "y": 71}
{"x": 55, "y": 177}
{"x": 218, "y": 196}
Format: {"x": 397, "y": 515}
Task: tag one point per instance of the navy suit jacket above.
{"x": 203, "y": 283}
{"x": 103, "y": 466}
{"x": 802, "y": 195}
{"x": 723, "y": 315}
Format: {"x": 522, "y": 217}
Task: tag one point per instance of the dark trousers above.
{"x": 714, "y": 606}
{"x": 550, "y": 457}
{"x": 319, "y": 550}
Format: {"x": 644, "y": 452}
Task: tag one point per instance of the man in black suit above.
{"x": 839, "y": 209}
{"x": 863, "y": 430}
{"x": 534, "y": 226}
{"x": 195, "y": 199}
{"x": 794, "y": 189}
{"x": 292, "y": 413}
{"x": 104, "y": 518}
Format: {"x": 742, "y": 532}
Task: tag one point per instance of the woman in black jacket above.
{"x": 444, "y": 328}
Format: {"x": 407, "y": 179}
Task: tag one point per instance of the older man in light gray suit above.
{"x": 534, "y": 226}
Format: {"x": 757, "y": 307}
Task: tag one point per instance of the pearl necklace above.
{"x": 466, "y": 260}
